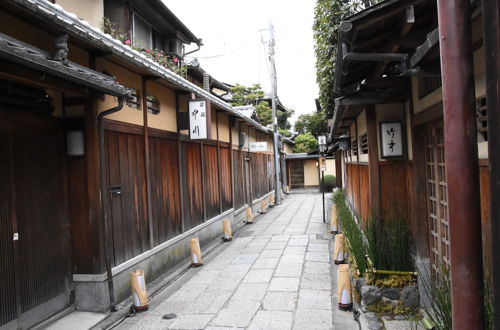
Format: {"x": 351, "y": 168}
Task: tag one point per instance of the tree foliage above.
{"x": 252, "y": 95}
{"x": 328, "y": 14}
{"x": 283, "y": 119}
{"x": 315, "y": 123}
{"x": 305, "y": 143}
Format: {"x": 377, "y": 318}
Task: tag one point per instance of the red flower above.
{"x": 148, "y": 51}
{"x": 127, "y": 42}
{"x": 175, "y": 60}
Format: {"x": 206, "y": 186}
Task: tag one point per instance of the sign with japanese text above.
{"x": 198, "y": 119}
{"x": 258, "y": 146}
{"x": 391, "y": 134}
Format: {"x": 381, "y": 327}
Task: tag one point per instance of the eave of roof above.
{"x": 302, "y": 156}
{"x": 71, "y": 23}
{"x": 166, "y": 13}
{"x": 30, "y": 56}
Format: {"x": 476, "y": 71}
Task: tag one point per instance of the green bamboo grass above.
{"x": 390, "y": 242}
{"x": 351, "y": 230}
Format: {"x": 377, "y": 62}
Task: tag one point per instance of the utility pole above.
{"x": 274, "y": 97}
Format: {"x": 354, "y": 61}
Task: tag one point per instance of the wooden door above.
{"x": 297, "y": 174}
{"x": 437, "y": 196}
{"x": 35, "y": 255}
{"x": 126, "y": 194}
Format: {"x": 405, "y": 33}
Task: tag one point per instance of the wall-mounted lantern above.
{"x": 344, "y": 142}
{"x": 75, "y": 143}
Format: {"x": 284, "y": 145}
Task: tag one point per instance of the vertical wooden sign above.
{"x": 199, "y": 119}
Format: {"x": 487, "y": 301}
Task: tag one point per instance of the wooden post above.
{"x": 149, "y": 208}
{"x": 462, "y": 166}
{"x": 218, "y": 160}
{"x": 373, "y": 166}
{"x": 231, "y": 160}
{"x": 338, "y": 169}
{"x": 491, "y": 37}
{"x": 92, "y": 160}
{"x": 179, "y": 163}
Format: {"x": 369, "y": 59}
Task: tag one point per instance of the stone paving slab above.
{"x": 276, "y": 275}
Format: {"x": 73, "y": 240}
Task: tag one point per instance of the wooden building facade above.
{"x": 389, "y": 72}
{"x": 73, "y": 224}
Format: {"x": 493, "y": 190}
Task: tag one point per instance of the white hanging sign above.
{"x": 391, "y": 134}
{"x": 198, "y": 119}
{"x": 258, "y": 146}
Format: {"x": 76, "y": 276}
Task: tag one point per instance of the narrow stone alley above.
{"x": 276, "y": 274}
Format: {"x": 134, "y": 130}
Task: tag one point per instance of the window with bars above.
{"x": 482, "y": 119}
{"x": 363, "y": 144}
{"x": 427, "y": 85}
{"x": 135, "y": 102}
{"x": 153, "y": 105}
{"x": 354, "y": 147}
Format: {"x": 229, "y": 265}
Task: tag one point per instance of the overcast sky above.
{"x": 233, "y": 52}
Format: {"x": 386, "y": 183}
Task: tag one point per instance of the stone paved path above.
{"x": 275, "y": 274}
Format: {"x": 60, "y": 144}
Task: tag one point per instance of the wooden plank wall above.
{"x": 200, "y": 171}
{"x": 358, "y": 189}
{"x": 395, "y": 189}
{"x": 261, "y": 175}
{"x": 225, "y": 178}
{"x": 193, "y": 204}
{"x": 211, "y": 177}
{"x": 239, "y": 179}
{"x": 165, "y": 192}
{"x": 364, "y": 191}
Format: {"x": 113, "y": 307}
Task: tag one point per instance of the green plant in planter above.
{"x": 392, "y": 281}
{"x": 390, "y": 242}
{"x": 352, "y": 231}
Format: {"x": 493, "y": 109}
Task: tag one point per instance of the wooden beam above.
{"x": 179, "y": 163}
{"x": 147, "y": 197}
{"x": 11, "y": 71}
{"x": 93, "y": 165}
{"x": 231, "y": 168}
{"x": 218, "y": 160}
{"x": 373, "y": 163}
{"x": 408, "y": 18}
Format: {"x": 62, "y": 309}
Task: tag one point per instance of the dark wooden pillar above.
{"x": 338, "y": 169}
{"x": 373, "y": 166}
{"x": 92, "y": 159}
{"x": 460, "y": 136}
{"x": 180, "y": 164}
{"x": 491, "y": 35}
{"x": 218, "y": 160}
{"x": 231, "y": 168}
{"x": 149, "y": 212}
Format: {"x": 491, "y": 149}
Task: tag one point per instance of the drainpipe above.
{"x": 462, "y": 166}
{"x": 199, "y": 44}
{"x": 104, "y": 201}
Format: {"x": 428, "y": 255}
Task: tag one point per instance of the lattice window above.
{"x": 354, "y": 147}
{"x": 482, "y": 119}
{"x": 427, "y": 85}
{"x": 437, "y": 197}
{"x": 153, "y": 105}
{"x": 363, "y": 144}
{"x": 135, "y": 102}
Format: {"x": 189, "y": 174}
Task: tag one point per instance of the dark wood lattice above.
{"x": 364, "y": 144}
{"x": 437, "y": 196}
